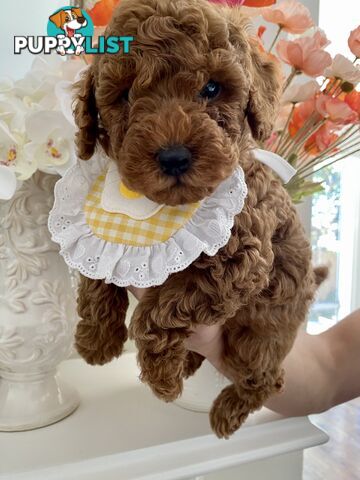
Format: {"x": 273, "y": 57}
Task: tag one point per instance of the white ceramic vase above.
{"x": 37, "y": 312}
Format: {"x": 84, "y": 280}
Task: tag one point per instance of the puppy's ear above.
{"x": 264, "y": 93}
{"x": 58, "y": 18}
{"x": 86, "y": 115}
{"x": 77, "y": 12}
{"x": 262, "y": 71}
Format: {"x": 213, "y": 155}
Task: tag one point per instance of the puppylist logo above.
{"x": 70, "y": 31}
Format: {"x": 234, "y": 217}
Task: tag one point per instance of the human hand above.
{"x": 206, "y": 340}
{"x": 137, "y": 292}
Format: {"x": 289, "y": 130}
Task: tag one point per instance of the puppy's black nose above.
{"x": 81, "y": 20}
{"x": 174, "y": 160}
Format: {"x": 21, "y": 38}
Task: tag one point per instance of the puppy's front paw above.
{"x": 94, "y": 347}
{"x": 167, "y": 390}
{"x": 163, "y": 376}
{"x": 228, "y": 412}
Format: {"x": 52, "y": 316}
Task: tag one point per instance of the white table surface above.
{"x": 121, "y": 431}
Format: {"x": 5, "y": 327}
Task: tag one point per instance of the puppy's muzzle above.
{"x": 174, "y": 160}
{"x": 81, "y": 20}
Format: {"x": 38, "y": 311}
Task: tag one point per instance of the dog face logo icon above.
{"x": 69, "y": 20}
{"x": 70, "y": 23}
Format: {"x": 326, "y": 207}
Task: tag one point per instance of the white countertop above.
{"x": 122, "y": 432}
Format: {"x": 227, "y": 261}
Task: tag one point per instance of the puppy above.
{"x": 69, "y": 20}
{"x": 195, "y": 79}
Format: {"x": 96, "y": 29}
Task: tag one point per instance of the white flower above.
{"x": 46, "y": 71}
{"x": 300, "y": 92}
{"x": 36, "y": 123}
{"x": 12, "y": 112}
{"x": 343, "y": 68}
{"x": 282, "y": 117}
{"x": 65, "y": 94}
{"x": 7, "y": 182}
{"x": 51, "y": 141}
{"x": 10, "y": 151}
{"x": 6, "y": 84}
{"x": 11, "y": 145}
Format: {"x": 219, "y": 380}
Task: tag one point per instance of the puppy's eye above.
{"x": 125, "y": 95}
{"x": 211, "y": 90}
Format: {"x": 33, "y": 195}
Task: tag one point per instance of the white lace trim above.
{"x": 207, "y": 231}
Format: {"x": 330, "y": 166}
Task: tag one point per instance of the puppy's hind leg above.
{"x": 253, "y": 361}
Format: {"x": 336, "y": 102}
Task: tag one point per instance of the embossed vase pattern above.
{"x": 37, "y": 312}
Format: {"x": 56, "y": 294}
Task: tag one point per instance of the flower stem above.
{"x": 290, "y": 78}
{"x": 276, "y": 37}
{"x": 339, "y": 142}
{"x": 344, "y": 152}
{"x": 298, "y": 135}
{"x": 331, "y": 163}
{"x": 284, "y": 130}
{"x": 301, "y": 143}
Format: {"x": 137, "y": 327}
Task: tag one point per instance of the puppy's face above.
{"x": 174, "y": 113}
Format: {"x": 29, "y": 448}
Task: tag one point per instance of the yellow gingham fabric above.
{"x": 119, "y": 228}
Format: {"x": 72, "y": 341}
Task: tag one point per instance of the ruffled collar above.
{"x": 107, "y": 233}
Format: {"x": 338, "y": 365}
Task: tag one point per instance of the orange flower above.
{"x": 321, "y": 139}
{"x": 259, "y": 3}
{"x": 306, "y": 54}
{"x": 354, "y": 41}
{"x": 335, "y": 109}
{"x": 246, "y": 3}
{"x": 102, "y": 12}
{"x": 230, "y": 3}
{"x": 261, "y": 31}
{"x": 301, "y": 113}
{"x": 290, "y": 15}
{"x": 353, "y": 100}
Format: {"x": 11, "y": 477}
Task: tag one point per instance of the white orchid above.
{"x": 343, "y": 68}
{"x": 11, "y": 152}
{"x": 300, "y": 92}
{"x": 36, "y": 124}
{"x": 7, "y": 183}
{"x": 51, "y": 141}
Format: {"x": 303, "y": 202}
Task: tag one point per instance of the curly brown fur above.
{"x": 193, "y": 362}
{"x": 259, "y": 286}
{"x": 179, "y": 46}
{"x": 101, "y": 332}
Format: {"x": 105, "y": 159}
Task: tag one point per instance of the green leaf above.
{"x": 300, "y": 188}
{"x": 347, "y": 87}
{"x": 292, "y": 159}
